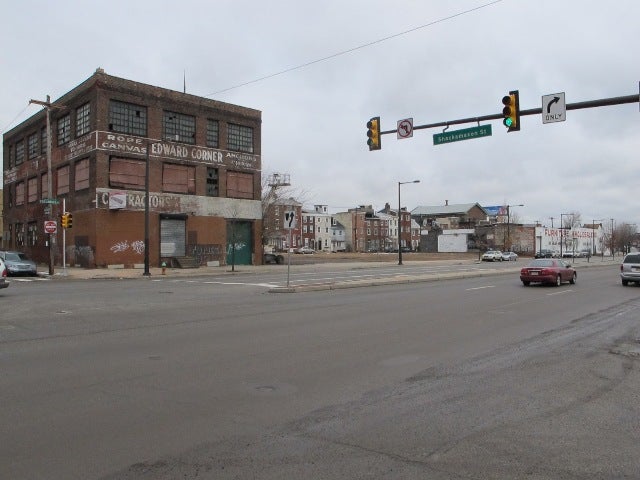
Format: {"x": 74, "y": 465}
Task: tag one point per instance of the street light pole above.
{"x": 400, "y": 221}
{"x": 509, "y": 223}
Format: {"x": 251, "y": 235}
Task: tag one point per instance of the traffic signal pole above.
{"x": 604, "y": 102}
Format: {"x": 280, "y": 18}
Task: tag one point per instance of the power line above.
{"x": 6, "y": 127}
{"x": 350, "y": 50}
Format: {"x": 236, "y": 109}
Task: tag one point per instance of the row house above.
{"x": 321, "y": 231}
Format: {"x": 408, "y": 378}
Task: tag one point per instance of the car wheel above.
{"x": 574, "y": 278}
{"x": 625, "y": 282}
{"x": 525, "y": 283}
{"x": 558, "y": 281}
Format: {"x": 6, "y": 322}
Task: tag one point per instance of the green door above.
{"x": 239, "y": 243}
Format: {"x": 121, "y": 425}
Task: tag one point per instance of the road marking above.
{"x": 480, "y": 288}
{"x": 560, "y": 293}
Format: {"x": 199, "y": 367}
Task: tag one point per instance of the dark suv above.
{"x": 630, "y": 268}
{"x": 542, "y": 253}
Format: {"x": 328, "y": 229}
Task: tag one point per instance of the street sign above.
{"x": 289, "y": 219}
{"x": 464, "y": 134}
{"x": 405, "y": 128}
{"x": 53, "y": 201}
{"x": 554, "y": 108}
{"x": 50, "y": 226}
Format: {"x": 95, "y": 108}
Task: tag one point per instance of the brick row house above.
{"x": 109, "y": 141}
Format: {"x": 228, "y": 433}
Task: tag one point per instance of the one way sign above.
{"x": 554, "y": 108}
{"x": 290, "y": 219}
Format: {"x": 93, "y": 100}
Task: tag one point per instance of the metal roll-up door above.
{"x": 172, "y": 237}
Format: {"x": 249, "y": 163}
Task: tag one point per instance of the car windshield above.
{"x": 632, "y": 258}
{"x": 15, "y": 257}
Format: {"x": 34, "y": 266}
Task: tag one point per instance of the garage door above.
{"x": 172, "y": 237}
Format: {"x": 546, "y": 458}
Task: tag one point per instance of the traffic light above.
{"x": 373, "y": 132}
{"x": 511, "y": 111}
{"x": 66, "y": 220}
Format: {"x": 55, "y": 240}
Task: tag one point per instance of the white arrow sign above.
{"x": 289, "y": 219}
{"x": 554, "y": 108}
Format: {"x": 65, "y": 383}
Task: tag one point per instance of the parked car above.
{"x": 18, "y": 263}
{"x": 305, "y": 250}
{"x": 509, "y": 256}
{"x": 630, "y": 269}
{"x": 274, "y": 258}
{"x": 548, "y": 270}
{"x": 544, "y": 253}
{"x": 492, "y": 256}
{"x": 3, "y": 275}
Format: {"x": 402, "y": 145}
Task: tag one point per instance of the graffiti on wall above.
{"x": 137, "y": 246}
{"x": 205, "y": 253}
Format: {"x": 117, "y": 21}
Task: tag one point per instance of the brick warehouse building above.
{"x": 203, "y": 177}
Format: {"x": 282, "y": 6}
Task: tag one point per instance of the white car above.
{"x": 305, "y": 250}
{"x": 3, "y": 275}
{"x": 492, "y": 256}
{"x": 509, "y": 256}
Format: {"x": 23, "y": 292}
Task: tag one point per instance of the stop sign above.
{"x": 50, "y": 226}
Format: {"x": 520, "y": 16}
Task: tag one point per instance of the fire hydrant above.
{"x": 164, "y": 268}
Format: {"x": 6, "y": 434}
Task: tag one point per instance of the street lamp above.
{"x": 508, "y": 223}
{"x": 400, "y": 221}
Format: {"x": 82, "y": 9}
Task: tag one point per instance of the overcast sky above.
{"x": 428, "y": 60}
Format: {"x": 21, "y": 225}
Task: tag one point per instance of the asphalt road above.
{"x": 469, "y": 378}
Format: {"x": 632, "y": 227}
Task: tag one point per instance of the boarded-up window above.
{"x": 44, "y": 185}
{"x": 178, "y": 178}
{"x": 239, "y": 185}
{"x": 82, "y": 174}
{"x": 20, "y": 193}
{"x": 125, "y": 173}
{"x": 32, "y": 190}
{"x": 63, "y": 180}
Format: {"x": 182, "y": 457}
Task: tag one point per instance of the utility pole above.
{"x": 48, "y": 107}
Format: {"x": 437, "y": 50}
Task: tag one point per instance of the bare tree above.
{"x": 624, "y": 235}
{"x": 571, "y": 220}
{"x": 276, "y": 189}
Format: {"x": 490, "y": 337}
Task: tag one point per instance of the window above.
{"x": 64, "y": 130}
{"x": 125, "y": 173}
{"x": 177, "y": 127}
{"x": 32, "y": 234}
{"x": 12, "y": 155}
{"x": 212, "y": 182}
{"x": 81, "y": 176}
{"x": 32, "y": 145}
{"x": 178, "y": 178}
{"x": 239, "y": 185}
{"x": 20, "y": 234}
{"x": 19, "y": 152}
{"x": 63, "y": 180}
{"x": 32, "y": 190}
{"x": 213, "y": 129}
{"x": 83, "y": 117}
{"x": 43, "y": 140}
{"x": 127, "y": 118}
{"x": 19, "y": 193}
{"x": 44, "y": 185}
{"x": 240, "y": 138}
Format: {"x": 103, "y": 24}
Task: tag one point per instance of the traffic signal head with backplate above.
{"x": 69, "y": 220}
{"x": 64, "y": 219}
{"x": 511, "y": 111}
{"x": 373, "y": 134}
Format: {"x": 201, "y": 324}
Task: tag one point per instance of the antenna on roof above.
{"x": 184, "y": 81}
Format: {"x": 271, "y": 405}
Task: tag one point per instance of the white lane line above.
{"x": 559, "y": 293}
{"x": 480, "y": 288}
